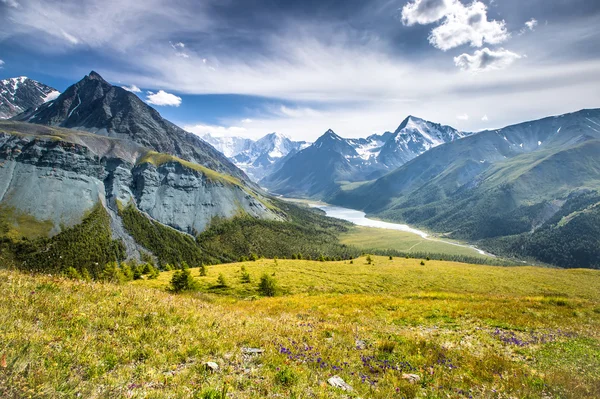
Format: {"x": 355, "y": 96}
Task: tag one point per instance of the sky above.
{"x": 252, "y": 67}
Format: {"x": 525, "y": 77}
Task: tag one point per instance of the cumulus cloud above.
{"x": 425, "y": 12}
{"x": 485, "y": 60}
{"x": 215, "y": 130}
{"x": 463, "y": 117}
{"x": 531, "y": 24}
{"x": 468, "y": 25}
{"x": 132, "y": 88}
{"x": 162, "y": 98}
{"x": 460, "y": 24}
{"x": 485, "y": 118}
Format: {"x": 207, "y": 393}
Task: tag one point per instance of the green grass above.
{"x": 399, "y": 276}
{"x": 367, "y": 238}
{"x": 19, "y": 224}
{"x": 158, "y": 159}
{"x": 465, "y": 330}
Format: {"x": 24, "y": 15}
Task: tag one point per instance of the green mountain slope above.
{"x": 495, "y": 184}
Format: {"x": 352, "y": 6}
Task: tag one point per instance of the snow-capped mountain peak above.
{"x": 21, "y": 93}
{"x": 256, "y": 158}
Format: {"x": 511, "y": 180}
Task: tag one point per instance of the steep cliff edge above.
{"x": 58, "y": 176}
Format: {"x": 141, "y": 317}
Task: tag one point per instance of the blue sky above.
{"x": 238, "y": 67}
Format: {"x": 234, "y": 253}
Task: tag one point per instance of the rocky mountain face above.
{"x": 518, "y": 189}
{"x": 94, "y": 105}
{"x": 57, "y": 175}
{"x": 20, "y": 94}
{"x": 355, "y": 160}
{"x": 257, "y": 158}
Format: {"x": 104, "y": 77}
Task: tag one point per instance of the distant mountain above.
{"x": 20, "y": 94}
{"x": 503, "y": 187}
{"x": 354, "y": 160}
{"x": 257, "y": 158}
{"x": 229, "y": 146}
{"x": 413, "y": 137}
{"x": 96, "y": 106}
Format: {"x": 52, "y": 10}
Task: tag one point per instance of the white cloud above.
{"x": 1, "y": 64}
{"x": 215, "y": 130}
{"x": 247, "y": 120}
{"x": 70, "y": 38}
{"x": 463, "y": 117}
{"x": 485, "y": 60}
{"x": 162, "y": 98}
{"x": 485, "y": 118}
{"x": 425, "y": 12}
{"x": 177, "y": 45}
{"x": 468, "y": 25}
{"x": 460, "y": 24}
{"x": 531, "y": 24}
{"x": 132, "y": 88}
{"x": 10, "y": 3}
{"x": 115, "y": 24}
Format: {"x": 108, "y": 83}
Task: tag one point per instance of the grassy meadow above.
{"x": 390, "y": 329}
{"x": 369, "y": 238}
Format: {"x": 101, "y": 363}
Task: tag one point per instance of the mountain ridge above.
{"x": 21, "y": 93}
{"x": 96, "y": 106}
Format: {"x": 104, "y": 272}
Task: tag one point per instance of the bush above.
{"x": 73, "y": 273}
{"x": 286, "y": 377}
{"x": 369, "y": 259}
{"x": 267, "y": 285}
{"x": 391, "y": 257}
{"x": 113, "y": 273}
{"x": 221, "y": 282}
{"x": 203, "y": 271}
{"x": 422, "y": 263}
{"x": 182, "y": 280}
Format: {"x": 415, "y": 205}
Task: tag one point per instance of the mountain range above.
{"x": 321, "y": 169}
{"x": 258, "y": 158}
{"x": 530, "y": 190}
{"x": 22, "y": 93}
{"x": 520, "y": 190}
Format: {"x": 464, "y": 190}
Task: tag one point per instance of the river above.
{"x": 359, "y": 218}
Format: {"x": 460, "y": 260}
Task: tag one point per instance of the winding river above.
{"x": 359, "y": 218}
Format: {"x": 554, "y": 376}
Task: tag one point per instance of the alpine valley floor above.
{"x": 390, "y": 329}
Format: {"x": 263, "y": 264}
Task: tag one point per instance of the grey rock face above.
{"x": 186, "y": 199}
{"x": 60, "y": 178}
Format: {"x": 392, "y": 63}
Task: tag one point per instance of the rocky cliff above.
{"x": 59, "y": 175}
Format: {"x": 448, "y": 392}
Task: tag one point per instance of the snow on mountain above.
{"x": 257, "y": 158}
{"x": 229, "y": 146}
{"x": 413, "y": 137}
{"x": 319, "y": 169}
{"x": 21, "y": 93}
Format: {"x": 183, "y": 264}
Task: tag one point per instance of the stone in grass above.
{"x": 360, "y": 344}
{"x": 211, "y": 366}
{"x": 252, "y": 351}
{"x": 336, "y": 381}
{"x": 412, "y": 378}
